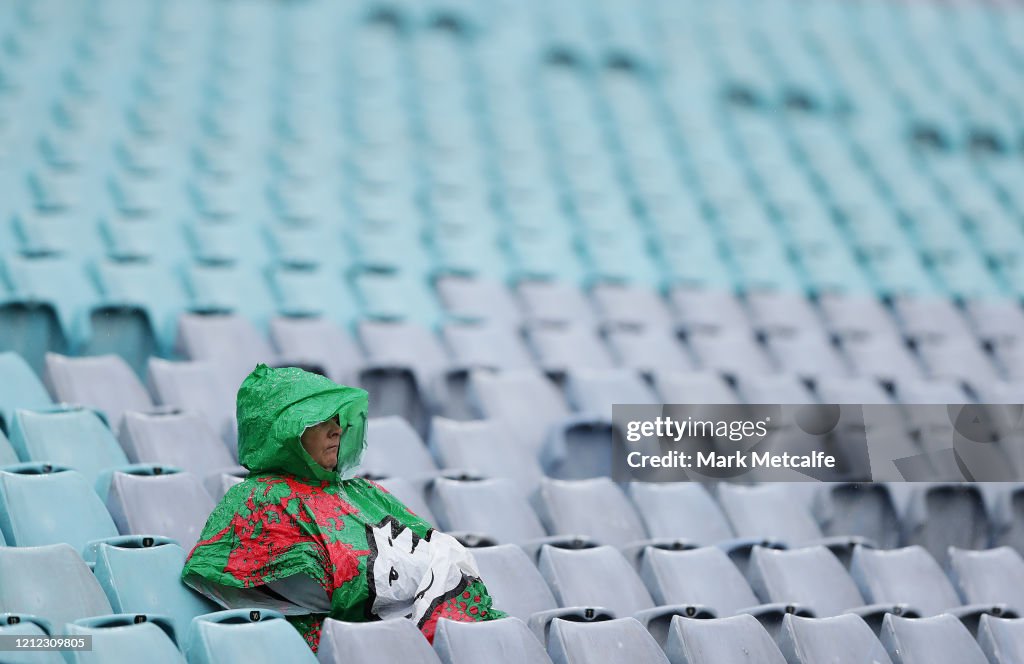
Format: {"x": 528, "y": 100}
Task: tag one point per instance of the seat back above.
{"x": 317, "y": 342}
{"x": 194, "y": 387}
{"x": 733, "y": 640}
{"x": 908, "y": 575}
{"x": 767, "y": 511}
{"x": 943, "y": 515}
{"x": 120, "y": 640}
{"x": 169, "y": 503}
{"x": 1001, "y": 639}
{"x": 593, "y": 391}
{"x": 594, "y": 507}
{"x": 51, "y": 582}
{"x": 13, "y": 624}
{"x": 599, "y": 576}
{"x": 486, "y": 447}
{"x": 515, "y": 584}
{"x": 19, "y": 388}
{"x": 565, "y": 347}
{"x": 700, "y": 387}
{"x": 103, "y": 382}
{"x": 843, "y": 639}
{"x": 183, "y": 440}
{"x": 380, "y": 642}
{"x": 866, "y": 510}
{"x": 229, "y": 341}
{"x": 7, "y": 453}
{"x": 244, "y": 637}
{"x": 143, "y": 575}
{"x": 42, "y": 505}
{"x": 76, "y": 439}
{"x": 937, "y": 640}
{"x": 993, "y": 576}
{"x": 524, "y": 401}
{"x": 603, "y": 642}
{"x": 394, "y": 449}
{"x": 683, "y": 510}
{"x": 488, "y": 346}
{"x": 811, "y": 576}
{"x": 494, "y": 507}
{"x": 505, "y": 641}
{"x": 697, "y": 576}
{"x": 410, "y": 494}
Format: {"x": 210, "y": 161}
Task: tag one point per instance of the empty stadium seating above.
{"x": 501, "y": 218}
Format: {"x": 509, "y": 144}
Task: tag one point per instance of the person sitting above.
{"x": 304, "y": 536}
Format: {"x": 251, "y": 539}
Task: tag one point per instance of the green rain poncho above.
{"x": 314, "y": 543}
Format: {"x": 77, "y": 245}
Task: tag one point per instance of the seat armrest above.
{"x": 634, "y": 551}
{"x": 533, "y": 547}
{"x": 970, "y": 615}
{"x": 874, "y": 613}
{"x": 540, "y": 622}
{"x": 778, "y": 609}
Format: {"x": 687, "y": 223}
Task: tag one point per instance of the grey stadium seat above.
{"x": 843, "y": 639}
{"x": 409, "y": 493}
{"x": 505, "y": 641}
{"x": 937, "y": 640}
{"x": 910, "y": 576}
{"x": 596, "y": 390}
{"x": 480, "y": 299}
{"x": 489, "y": 509}
{"x": 159, "y": 502}
{"x": 196, "y": 387}
{"x": 52, "y": 582}
{"x": 706, "y": 577}
{"x": 631, "y": 306}
{"x": 380, "y": 642}
{"x": 484, "y": 447}
{"x": 319, "y": 343}
{"x": 993, "y": 576}
{"x": 487, "y": 346}
{"x": 649, "y": 349}
{"x": 733, "y": 640}
{"x": 604, "y": 642}
{"x": 698, "y": 387}
{"x": 769, "y": 512}
{"x": 1002, "y": 639}
{"x": 941, "y": 515}
{"x": 554, "y": 302}
{"x": 394, "y": 449}
{"x": 564, "y": 347}
{"x": 864, "y": 510}
{"x": 708, "y": 310}
{"x": 104, "y": 382}
{"x": 730, "y": 351}
{"x": 183, "y": 440}
{"x": 814, "y": 578}
{"x": 228, "y": 341}
{"x": 601, "y": 577}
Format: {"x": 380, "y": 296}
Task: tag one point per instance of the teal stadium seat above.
{"x": 244, "y": 637}
{"x": 124, "y": 639}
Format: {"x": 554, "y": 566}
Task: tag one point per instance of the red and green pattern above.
{"x": 372, "y": 557}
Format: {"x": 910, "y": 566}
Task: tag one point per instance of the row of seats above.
{"x": 576, "y": 602}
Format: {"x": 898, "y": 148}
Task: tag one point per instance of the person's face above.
{"x": 321, "y": 442}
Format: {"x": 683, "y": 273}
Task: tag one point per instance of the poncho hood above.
{"x": 274, "y": 408}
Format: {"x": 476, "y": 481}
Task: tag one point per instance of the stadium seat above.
{"x": 730, "y": 351}
{"x": 394, "y": 449}
{"x": 242, "y": 636}
{"x": 142, "y": 574}
{"x": 312, "y": 292}
{"x": 940, "y": 639}
{"x": 649, "y": 349}
{"x": 843, "y": 639}
{"x": 910, "y": 576}
{"x": 726, "y": 640}
{"x": 7, "y": 454}
{"x": 780, "y": 388}
{"x": 706, "y": 577}
{"x": 861, "y": 510}
{"x": 317, "y": 342}
{"x": 14, "y": 624}
{"x": 123, "y": 638}
{"x": 699, "y": 310}
{"x": 486, "y": 448}
{"x": 1001, "y": 639}
{"x": 701, "y": 522}
{"x": 50, "y": 582}
{"x": 505, "y": 641}
{"x": 487, "y": 346}
{"x": 601, "y": 577}
{"x": 411, "y": 494}
{"x": 993, "y": 576}
{"x": 478, "y": 299}
{"x": 630, "y": 306}
{"x": 105, "y": 383}
{"x": 941, "y": 515}
{"x": 699, "y": 387}
{"x": 182, "y": 440}
{"x": 380, "y": 642}
{"x": 551, "y": 302}
{"x": 813, "y": 577}
{"x": 196, "y": 387}
{"x": 159, "y": 501}
{"x": 19, "y": 388}
{"x": 74, "y": 438}
{"x": 228, "y": 342}
{"x": 561, "y": 348}
{"x": 72, "y": 511}
{"x": 603, "y": 642}
{"x": 769, "y": 512}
